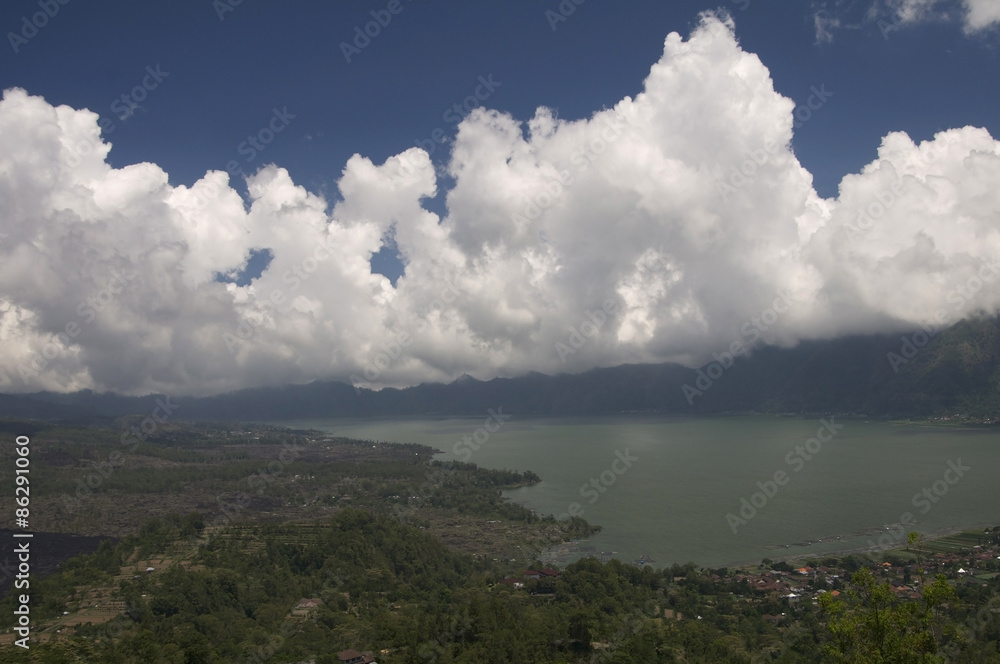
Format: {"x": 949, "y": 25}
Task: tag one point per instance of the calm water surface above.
{"x": 671, "y": 503}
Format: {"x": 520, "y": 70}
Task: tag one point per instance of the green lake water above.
{"x": 671, "y": 502}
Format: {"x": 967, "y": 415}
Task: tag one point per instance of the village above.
{"x": 970, "y": 557}
{"x": 974, "y": 565}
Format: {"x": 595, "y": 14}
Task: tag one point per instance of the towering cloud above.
{"x": 665, "y": 228}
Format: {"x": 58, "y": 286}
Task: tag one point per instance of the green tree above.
{"x": 875, "y": 627}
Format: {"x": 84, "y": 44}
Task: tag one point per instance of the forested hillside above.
{"x": 378, "y": 585}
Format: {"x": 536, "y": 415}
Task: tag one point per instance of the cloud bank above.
{"x": 663, "y": 229}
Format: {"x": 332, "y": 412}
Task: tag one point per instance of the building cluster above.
{"x": 969, "y": 566}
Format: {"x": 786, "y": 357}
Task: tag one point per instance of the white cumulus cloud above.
{"x": 657, "y": 230}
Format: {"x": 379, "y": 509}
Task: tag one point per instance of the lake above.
{"x": 727, "y": 490}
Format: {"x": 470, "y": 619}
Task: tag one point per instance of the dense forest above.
{"x": 379, "y": 585}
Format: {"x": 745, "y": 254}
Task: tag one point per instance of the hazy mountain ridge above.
{"x": 957, "y": 371}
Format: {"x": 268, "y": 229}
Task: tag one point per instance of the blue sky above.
{"x": 211, "y": 75}
{"x": 229, "y": 67}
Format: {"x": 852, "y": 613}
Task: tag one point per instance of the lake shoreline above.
{"x": 842, "y": 553}
{"x": 685, "y": 476}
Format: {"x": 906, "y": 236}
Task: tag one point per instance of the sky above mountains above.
{"x": 230, "y": 194}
